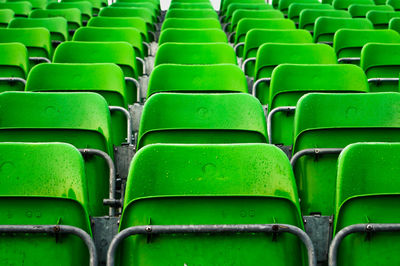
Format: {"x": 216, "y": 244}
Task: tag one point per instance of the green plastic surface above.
{"x": 191, "y": 13}
{"x": 72, "y": 15}
{"x": 151, "y": 7}
{"x": 381, "y": 19}
{"x": 6, "y": 15}
{"x": 394, "y": 3}
{"x": 36, "y": 4}
{"x": 289, "y": 82}
{"x": 335, "y": 121}
{"x": 394, "y": 24}
{"x": 197, "y": 78}
{"x": 191, "y": 6}
{"x": 202, "y": 118}
{"x": 192, "y": 36}
{"x": 309, "y": 16}
{"x": 284, "y": 4}
{"x": 360, "y": 11}
{"x": 240, "y": 14}
{"x": 247, "y": 6}
{"x": 191, "y": 23}
{"x": 81, "y": 119}
{"x": 14, "y": 62}
{"x": 96, "y": 4}
{"x": 345, "y": 4}
{"x": 296, "y": 8}
{"x": 226, "y": 3}
{"x": 137, "y": 12}
{"x": 84, "y": 6}
{"x": 20, "y": 8}
{"x": 211, "y": 184}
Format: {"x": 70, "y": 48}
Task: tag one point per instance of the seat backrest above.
{"x": 84, "y": 6}
{"x": 360, "y": 10}
{"x": 197, "y": 78}
{"x": 219, "y": 180}
{"x": 291, "y": 81}
{"x": 191, "y": 13}
{"x": 380, "y": 19}
{"x": 6, "y": 15}
{"x": 191, "y": 23}
{"x": 14, "y": 63}
{"x": 81, "y": 119}
{"x": 296, "y": 8}
{"x": 72, "y": 15}
{"x": 284, "y": 4}
{"x": 368, "y": 192}
{"x": 195, "y": 54}
{"x": 326, "y": 27}
{"x": 202, "y": 118}
{"x": 334, "y": 120}
{"x": 394, "y": 24}
{"x": 240, "y": 14}
{"x": 226, "y": 3}
{"x": 247, "y": 6}
{"x": 36, "y": 4}
{"x": 309, "y": 16}
{"x": 20, "y": 8}
{"x": 139, "y": 12}
{"x": 200, "y": 5}
{"x": 192, "y": 36}
{"x": 43, "y": 184}
{"x": 345, "y": 4}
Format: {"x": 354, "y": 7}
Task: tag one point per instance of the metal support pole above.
{"x": 128, "y": 121}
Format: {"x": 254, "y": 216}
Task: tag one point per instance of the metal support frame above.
{"x": 378, "y": 81}
{"x": 128, "y": 121}
{"x": 348, "y": 59}
{"x": 258, "y": 81}
{"x": 112, "y": 202}
{"x": 356, "y": 228}
{"x": 271, "y": 113}
{"x": 137, "y": 85}
{"x": 224, "y": 28}
{"x": 14, "y": 79}
{"x": 317, "y": 151}
{"x": 328, "y": 43}
{"x": 237, "y": 46}
{"x": 251, "y": 59}
{"x": 206, "y": 229}
{"x": 231, "y": 35}
{"x": 153, "y": 34}
{"x": 39, "y": 59}
{"x": 221, "y": 18}
{"x": 148, "y": 47}
{"x": 143, "y": 64}
{"x": 56, "y": 229}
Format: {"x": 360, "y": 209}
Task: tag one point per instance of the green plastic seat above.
{"x": 257, "y": 37}
{"x": 197, "y": 78}
{"x": 226, "y": 3}
{"x": 195, "y": 54}
{"x": 270, "y": 55}
{"x": 345, "y": 4}
{"x": 348, "y": 43}
{"x": 360, "y": 11}
{"x": 200, "y": 5}
{"x": 192, "y": 36}
{"x": 36, "y": 40}
{"x": 81, "y": 119}
{"x": 368, "y": 192}
{"x": 124, "y": 22}
{"x": 296, "y": 8}
{"x": 394, "y": 3}
{"x": 243, "y": 6}
{"x": 96, "y": 5}
{"x": 381, "y": 61}
{"x": 191, "y": 23}
{"x": 84, "y": 6}
{"x": 325, "y": 120}
{"x": 394, "y": 24}
{"x": 290, "y": 81}
{"x": 72, "y": 15}
{"x": 57, "y": 26}
{"x": 240, "y": 14}
{"x": 195, "y": 118}
{"x": 155, "y": 2}
{"x": 211, "y": 184}
{"x": 191, "y": 13}
{"x": 136, "y": 12}
{"x": 6, "y": 15}
{"x": 14, "y": 63}
{"x": 284, "y": 4}
{"x": 95, "y": 34}
{"x": 148, "y": 5}
{"x": 20, "y": 8}
{"x": 309, "y": 16}
{"x": 247, "y": 24}
{"x": 326, "y": 27}
{"x": 380, "y": 19}
{"x": 36, "y": 4}
{"x": 43, "y": 184}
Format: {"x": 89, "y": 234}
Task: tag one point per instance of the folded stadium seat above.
{"x": 6, "y": 15}
{"x": 96, "y": 5}
{"x": 190, "y": 23}
{"x": 270, "y": 55}
{"x": 211, "y": 185}
{"x": 191, "y": 13}
{"x": 257, "y": 37}
{"x": 192, "y": 36}
{"x": 381, "y": 63}
{"x": 21, "y": 9}
{"x": 324, "y": 124}
{"x": 284, "y": 4}
{"x": 345, "y": 4}
{"x": 348, "y": 43}
{"x": 197, "y": 78}
{"x": 240, "y": 14}
{"x": 151, "y": 7}
{"x": 242, "y": 6}
{"x": 289, "y": 82}
{"x": 394, "y": 24}
{"x": 14, "y": 66}
{"x": 360, "y": 11}
{"x": 104, "y": 79}
{"x": 247, "y": 24}
{"x": 367, "y": 201}
{"x": 202, "y": 118}
{"x": 381, "y": 19}
{"x": 326, "y": 27}
{"x": 72, "y": 15}
{"x": 136, "y": 12}
{"x": 201, "y": 5}
{"x": 195, "y": 54}
{"x": 84, "y": 6}
{"x": 226, "y": 3}
{"x": 37, "y": 40}
{"x": 57, "y": 27}
{"x": 36, "y": 4}
{"x": 43, "y": 184}
{"x": 309, "y": 16}
{"x": 394, "y": 3}
{"x": 81, "y": 119}
{"x": 155, "y": 2}
{"x": 296, "y": 8}
{"x": 129, "y": 35}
